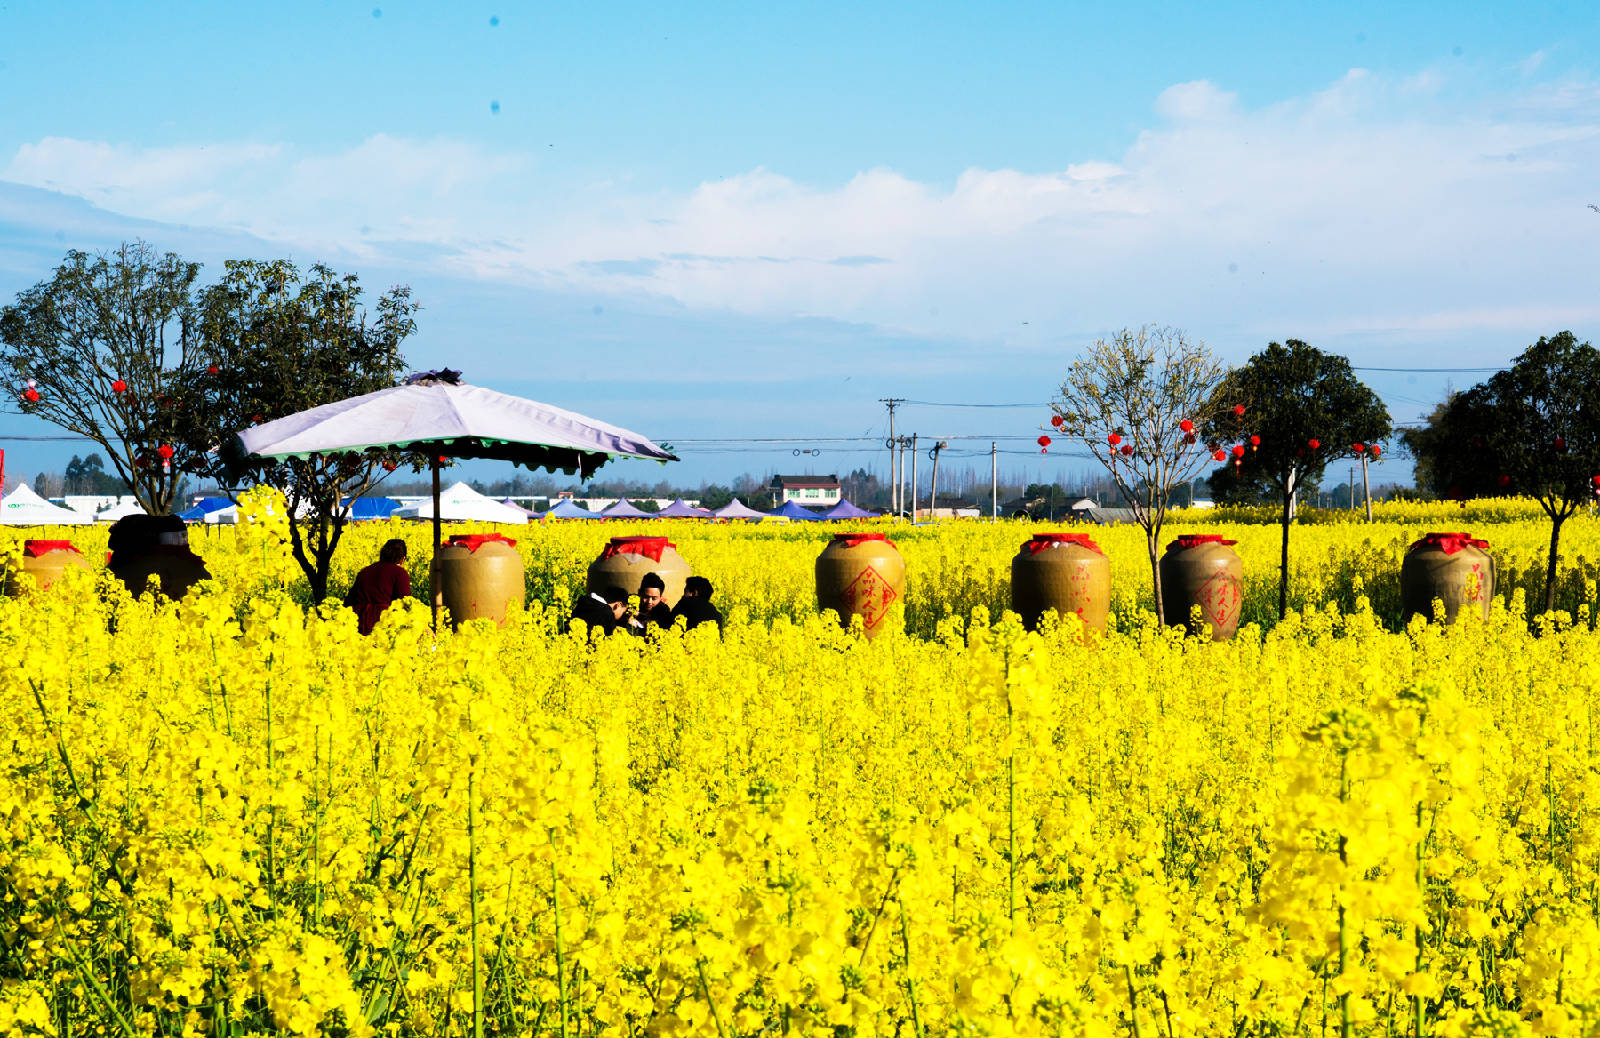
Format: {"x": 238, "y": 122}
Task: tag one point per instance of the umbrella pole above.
{"x": 433, "y": 567}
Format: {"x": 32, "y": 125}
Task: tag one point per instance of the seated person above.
{"x": 653, "y": 609}
{"x": 601, "y": 612}
{"x": 378, "y": 585}
{"x": 695, "y": 606}
{"x": 145, "y": 546}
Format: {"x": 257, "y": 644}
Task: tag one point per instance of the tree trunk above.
{"x": 1556, "y": 519}
{"x": 1152, "y": 542}
{"x": 1283, "y": 563}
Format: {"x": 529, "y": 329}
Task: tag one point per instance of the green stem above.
{"x": 472, "y": 894}
{"x": 561, "y": 954}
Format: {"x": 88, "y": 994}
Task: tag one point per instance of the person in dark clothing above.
{"x": 378, "y": 585}
{"x": 602, "y": 612}
{"x": 653, "y": 609}
{"x": 146, "y": 546}
{"x": 695, "y": 606}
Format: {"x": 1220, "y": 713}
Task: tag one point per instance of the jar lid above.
{"x": 850, "y": 540}
{"x": 1195, "y": 540}
{"x": 1449, "y": 543}
{"x": 34, "y": 549}
{"x": 1040, "y": 541}
{"x": 473, "y": 541}
{"x": 652, "y": 547}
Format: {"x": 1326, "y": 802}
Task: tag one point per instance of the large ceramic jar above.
{"x": 45, "y": 562}
{"x": 1202, "y": 570}
{"x": 480, "y": 576}
{"x": 1066, "y": 572}
{"x": 1452, "y": 567}
{"x": 626, "y": 560}
{"x": 861, "y": 574}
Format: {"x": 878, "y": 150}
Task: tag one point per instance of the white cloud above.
{"x": 1369, "y": 209}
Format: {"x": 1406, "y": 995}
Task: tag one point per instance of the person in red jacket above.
{"x": 380, "y": 584}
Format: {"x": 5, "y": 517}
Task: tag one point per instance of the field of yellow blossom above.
{"x": 234, "y": 815}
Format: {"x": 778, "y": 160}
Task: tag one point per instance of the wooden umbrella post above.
{"x": 433, "y": 565}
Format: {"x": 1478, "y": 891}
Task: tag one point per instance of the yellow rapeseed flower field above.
{"x": 235, "y": 815}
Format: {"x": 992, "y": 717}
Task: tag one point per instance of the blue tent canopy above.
{"x": 790, "y": 510}
{"x": 204, "y": 507}
{"x": 565, "y": 509}
{"x": 845, "y": 510}
{"x": 373, "y": 508}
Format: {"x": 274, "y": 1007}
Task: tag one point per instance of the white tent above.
{"x": 461, "y": 503}
{"x": 22, "y": 507}
{"x": 115, "y": 512}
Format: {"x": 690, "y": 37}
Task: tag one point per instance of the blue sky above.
{"x": 754, "y": 220}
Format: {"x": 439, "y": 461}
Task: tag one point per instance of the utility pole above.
{"x": 913, "y": 479}
{"x": 894, "y": 474}
{"x": 933, "y": 494}
{"x": 994, "y": 480}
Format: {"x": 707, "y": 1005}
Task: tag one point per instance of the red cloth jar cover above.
{"x": 34, "y": 549}
{"x": 1450, "y": 543}
{"x": 1194, "y": 540}
{"x": 648, "y": 546}
{"x": 473, "y": 541}
{"x": 852, "y": 539}
{"x": 1040, "y": 541}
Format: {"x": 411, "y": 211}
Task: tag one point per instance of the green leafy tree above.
{"x": 1532, "y": 429}
{"x": 89, "y": 476}
{"x": 276, "y": 342}
{"x": 1128, "y": 399}
{"x": 101, "y": 349}
{"x": 1282, "y": 416}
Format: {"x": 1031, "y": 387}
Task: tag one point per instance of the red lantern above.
{"x": 389, "y": 466}
{"x": 1056, "y": 420}
{"x": 1358, "y": 447}
{"x": 1188, "y": 437}
{"x": 165, "y": 450}
{"x": 443, "y": 460}
{"x": 1255, "y": 441}
{"x": 1561, "y": 443}
{"x": 212, "y": 369}
{"x": 1127, "y": 448}
{"x": 1238, "y": 410}
{"x": 1376, "y": 450}
{"x": 1314, "y": 444}
{"x": 31, "y": 395}
{"x": 1238, "y": 451}
{"x": 1595, "y": 480}
{"x": 119, "y": 387}
{"x": 1218, "y": 456}
{"x": 1505, "y": 480}
{"x": 1186, "y": 425}
{"x": 1044, "y": 441}
{"x": 1114, "y": 439}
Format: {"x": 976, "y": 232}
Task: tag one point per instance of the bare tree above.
{"x": 1138, "y": 401}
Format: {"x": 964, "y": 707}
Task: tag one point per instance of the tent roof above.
{"x": 373, "y": 508}
{"x": 790, "y": 510}
{"x": 115, "y": 512}
{"x": 461, "y": 503}
{"x": 846, "y": 510}
{"x": 22, "y": 507}
{"x": 529, "y": 512}
{"x": 622, "y": 508}
{"x": 438, "y": 414}
{"x": 681, "y": 509}
{"x": 566, "y": 508}
{"x": 737, "y": 509}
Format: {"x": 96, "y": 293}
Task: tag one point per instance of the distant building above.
{"x": 811, "y": 491}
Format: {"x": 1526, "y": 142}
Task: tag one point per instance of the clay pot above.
{"x": 1066, "y": 572}
{"x": 1203, "y": 570}
{"x": 1452, "y": 567}
{"x": 45, "y": 562}
{"x": 626, "y": 560}
{"x": 480, "y": 576}
{"x": 860, "y": 574}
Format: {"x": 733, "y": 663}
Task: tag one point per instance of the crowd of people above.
{"x": 607, "y": 612}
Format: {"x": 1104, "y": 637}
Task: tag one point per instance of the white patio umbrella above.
{"x": 435, "y": 412}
